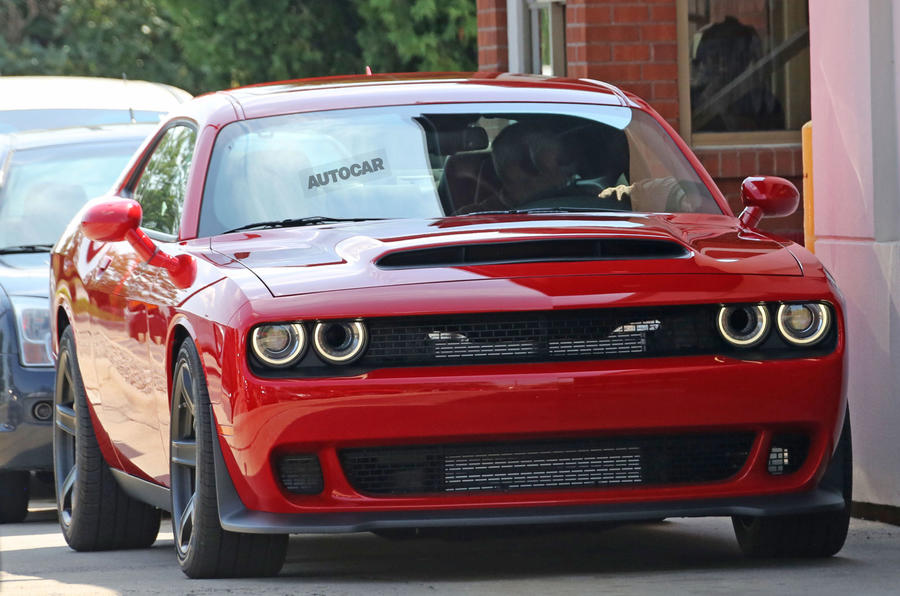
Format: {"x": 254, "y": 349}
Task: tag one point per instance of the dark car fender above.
{"x": 24, "y": 438}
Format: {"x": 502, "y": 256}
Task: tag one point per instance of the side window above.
{"x": 163, "y": 184}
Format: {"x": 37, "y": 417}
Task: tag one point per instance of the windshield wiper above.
{"x": 26, "y": 248}
{"x": 546, "y": 210}
{"x": 297, "y": 222}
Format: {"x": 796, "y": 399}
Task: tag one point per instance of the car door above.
{"x": 127, "y": 294}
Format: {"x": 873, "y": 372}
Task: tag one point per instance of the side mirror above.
{"x": 767, "y": 196}
{"x": 108, "y": 220}
{"x": 115, "y": 220}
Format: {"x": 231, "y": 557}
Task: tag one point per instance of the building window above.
{"x": 537, "y": 36}
{"x": 548, "y": 38}
{"x": 748, "y": 66}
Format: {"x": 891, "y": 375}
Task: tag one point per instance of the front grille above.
{"x": 541, "y": 336}
{"x": 546, "y": 465}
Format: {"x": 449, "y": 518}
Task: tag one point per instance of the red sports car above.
{"x": 403, "y": 302}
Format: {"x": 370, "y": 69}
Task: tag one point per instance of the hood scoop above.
{"x": 533, "y": 251}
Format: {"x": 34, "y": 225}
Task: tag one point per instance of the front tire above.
{"x": 94, "y": 512}
{"x": 13, "y": 496}
{"x": 203, "y": 548}
{"x": 807, "y": 535}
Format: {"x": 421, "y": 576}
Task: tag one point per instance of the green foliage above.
{"x": 239, "y": 42}
{"x": 418, "y": 35}
{"x": 96, "y": 38}
{"x": 202, "y": 45}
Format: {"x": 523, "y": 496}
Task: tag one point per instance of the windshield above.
{"x": 19, "y": 120}
{"x": 44, "y": 187}
{"x": 435, "y": 161}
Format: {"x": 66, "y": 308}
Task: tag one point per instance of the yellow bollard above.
{"x": 809, "y": 229}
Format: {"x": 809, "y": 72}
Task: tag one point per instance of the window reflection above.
{"x": 749, "y": 65}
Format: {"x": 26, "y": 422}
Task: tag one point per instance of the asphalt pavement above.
{"x": 681, "y": 556}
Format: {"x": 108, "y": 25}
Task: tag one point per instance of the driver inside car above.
{"x": 541, "y": 166}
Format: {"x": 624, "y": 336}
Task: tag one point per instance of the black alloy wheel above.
{"x": 94, "y": 512}
{"x": 202, "y": 547}
{"x": 183, "y": 452}
{"x": 65, "y": 472}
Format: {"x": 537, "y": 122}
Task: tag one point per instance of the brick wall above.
{"x": 632, "y": 44}
{"x": 730, "y": 165}
{"x": 492, "y": 39}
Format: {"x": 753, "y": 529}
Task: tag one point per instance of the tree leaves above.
{"x": 203, "y": 45}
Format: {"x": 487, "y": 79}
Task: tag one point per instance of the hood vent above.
{"x": 533, "y": 251}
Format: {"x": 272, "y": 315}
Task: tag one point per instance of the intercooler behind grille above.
{"x": 546, "y": 465}
{"x": 540, "y": 336}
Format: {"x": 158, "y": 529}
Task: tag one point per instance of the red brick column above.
{"x": 492, "y": 38}
{"x": 729, "y": 166}
{"x": 630, "y": 43}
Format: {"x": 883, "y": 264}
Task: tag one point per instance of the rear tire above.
{"x": 94, "y": 512}
{"x": 809, "y": 535}
{"x": 13, "y": 496}
{"x": 203, "y": 548}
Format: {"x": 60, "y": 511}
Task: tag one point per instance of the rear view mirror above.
{"x": 110, "y": 220}
{"x": 767, "y": 196}
{"x": 115, "y": 220}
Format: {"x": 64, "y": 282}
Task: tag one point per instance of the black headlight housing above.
{"x": 776, "y": 327}
{"x": 310, "y": 345}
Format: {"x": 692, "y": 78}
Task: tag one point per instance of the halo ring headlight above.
{"x": 340, "y": 342}
{"x": 278, "y": 344}
{"x": 803, "y": 324}
{"x": 743, "y": 326}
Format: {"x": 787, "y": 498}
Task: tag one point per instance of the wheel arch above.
{"x": 62, "y": 321}
{"x": 63, "y": 318}
{"x": 179, "y": 331}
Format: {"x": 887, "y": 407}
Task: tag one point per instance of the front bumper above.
{"x": 25, "y": 441}
{"x": 695, "y": 394}
{"x": 236, "y": 517}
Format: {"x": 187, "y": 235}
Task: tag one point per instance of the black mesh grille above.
{"x": 300, "y": 473}
{"x": 541, "y": 336}
{"x": 546, "y": 465}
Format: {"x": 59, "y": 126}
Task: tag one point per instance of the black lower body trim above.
{"x": 152, "y": 494}
{"x": 234, "y": 516}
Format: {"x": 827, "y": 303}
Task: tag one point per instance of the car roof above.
{"x": 74, "y": 135}
{"x": 76, "y": 93}
{"x": 399, "y": 89}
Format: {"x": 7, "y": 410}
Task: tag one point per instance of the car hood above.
{"x": 25, "y": 274}
{"x": 303, "y": 260}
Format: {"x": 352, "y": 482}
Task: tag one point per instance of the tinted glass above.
{"x": 162, "y": 186}
{"x": 44, "y": 187}
{"x": 445, "y": 160}
{"x": 16, "y": 120}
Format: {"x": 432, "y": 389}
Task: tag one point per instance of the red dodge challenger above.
{"x": 403, "y": 302}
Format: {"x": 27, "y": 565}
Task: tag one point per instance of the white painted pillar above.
{"x": 855, "y": 80}
{"x": 518, "y": 31}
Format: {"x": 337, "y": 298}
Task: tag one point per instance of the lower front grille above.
{"x": 300, "y": 473}
{"x": 546, "y": 465}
